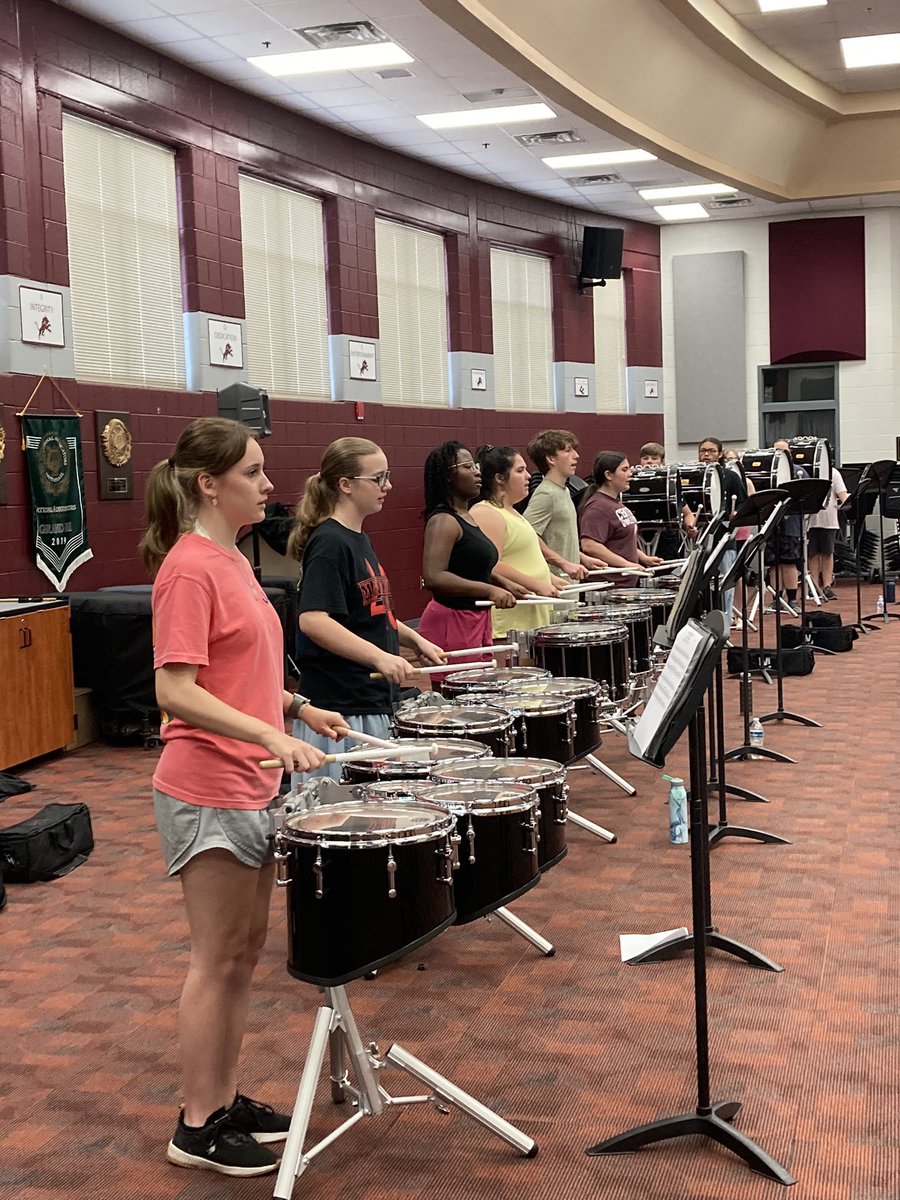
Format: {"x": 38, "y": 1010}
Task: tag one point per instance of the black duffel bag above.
{"x": 838, "y": 638}
{"x": 794, "y": 661}
{"x": 823, "y": 620}
{"x": 46, "y": 846}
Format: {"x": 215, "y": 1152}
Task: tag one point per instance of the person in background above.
{"x": 504, "y": 483}
{"x": 823, "y": 527}
{"x": 734, "y": 493}
{"x": 608, "y": 527}
{"x": 219, "y": 663}
{"x": 786, "y": 545}
{"x": 550, "y": 512}
{"x": 653, "y": 454}
{"x": 347, "y": 623}
{"x": 459, "y": 559}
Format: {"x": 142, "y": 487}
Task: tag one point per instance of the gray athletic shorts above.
{"x": 187, "y": 829}
{"x": 376, "y": 724}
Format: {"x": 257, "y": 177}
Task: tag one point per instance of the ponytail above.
{"x": 606, "y": 460}
{"x": 322, "y": 491}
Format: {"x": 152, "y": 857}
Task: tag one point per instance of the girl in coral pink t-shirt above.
{"x": 218, "y": 655}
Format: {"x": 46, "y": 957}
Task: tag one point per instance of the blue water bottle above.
{"x": 890, "y": 587}
{"x": 678, "y": 814}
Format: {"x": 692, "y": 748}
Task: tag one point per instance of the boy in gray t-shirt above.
{"x": 551, "y": 508}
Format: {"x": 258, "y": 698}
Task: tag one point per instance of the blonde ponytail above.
{"x": 321, "y": 493}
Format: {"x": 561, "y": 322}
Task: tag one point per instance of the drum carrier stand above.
{"x": 336, "y": 1028}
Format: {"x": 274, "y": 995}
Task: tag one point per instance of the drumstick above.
{"x": 436, "y": 670}
{"x": 621, "y": 571}
{"x": 553, "y": 602}
{"x": 481, "y": 650}
{"x": 367, "y": 738}
{"x": 422, "y": 750}
{"x": 586, "y": 587}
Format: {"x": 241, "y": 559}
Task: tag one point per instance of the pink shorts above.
{"x": 457, "y": 628}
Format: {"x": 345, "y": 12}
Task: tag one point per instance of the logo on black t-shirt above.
{"x": 376, "y": 593}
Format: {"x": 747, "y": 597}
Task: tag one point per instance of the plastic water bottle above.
{"x": 678, "y": 815}
{"x": 890, "y": 586}
{"x": 880, "y": 609}
{"x": 757, "y": 736}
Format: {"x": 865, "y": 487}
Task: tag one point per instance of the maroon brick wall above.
{"x": 52, "y": 60}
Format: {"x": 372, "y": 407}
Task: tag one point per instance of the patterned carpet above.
{"x": 571, "y": 1049}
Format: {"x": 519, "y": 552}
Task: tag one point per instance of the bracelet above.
{"x": 296, "y": 706}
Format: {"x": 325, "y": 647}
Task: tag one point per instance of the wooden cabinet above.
{"x": 36, "y": 689}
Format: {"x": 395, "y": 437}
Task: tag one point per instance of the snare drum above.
{"x": 587, "y": 698}
{"x": 766, "y": 468}
{"x": 497, "y": 851}
{"x": 547, "y": 778}
{"x": 654, "y": 495}
{"x": 701, "y": 489}
{"x": 544, "y": 725}
{"x": 491, "y": 679}
{"x": 814, "y": 455}
{"x": 370, "y": 769}
{"x": 597, "y": 649}
{"x": 639, "y": 620}
{"x": 367, "y": 881}
{"x": 491, "y": 726}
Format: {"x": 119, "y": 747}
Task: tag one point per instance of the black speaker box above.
{"x": 892, "y": 495}
{"x": 247, "y": 404}
{"x": 601, "y": 253}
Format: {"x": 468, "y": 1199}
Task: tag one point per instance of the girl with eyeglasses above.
{"x": 459, "y": 561}
{"x": 348, "y": 628}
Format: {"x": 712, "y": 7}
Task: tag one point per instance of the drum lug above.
{"x": 455, "y": 840}
{"x": 523, "y": 729}
{"x": 537, "y": 824}
{"x": 470, "y": 835}
{"x": 282, "y": 879}
{"x": 392, "y": 871}
{"x": 445, "y": 864}
{"x": 318, "y": 874}
{"x": 531, "y": 834}
{"x": 561, "y": 806}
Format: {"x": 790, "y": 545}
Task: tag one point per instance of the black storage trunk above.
{"x": 796, "y": 661}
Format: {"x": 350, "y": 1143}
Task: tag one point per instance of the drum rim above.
{"x": 463, "y": 676}
{"x": 555, "y": 772}
{"x": 292, "y": 832}
{"x": 484, "y": 728}
{"x": 481, "y": 806}
{"x": 613, "y": 631}
{"x": 587, "y": 687}
{"x": 425, "y": 761}
{"x": 508, "y": 702}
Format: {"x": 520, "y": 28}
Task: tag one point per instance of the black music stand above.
{"x": 684, "y": 709}
{"x": 806, "y": 496}
{"x": 861, "y": 504}
{"x": 765, "y": 510}
{"x": 880, "y": 472}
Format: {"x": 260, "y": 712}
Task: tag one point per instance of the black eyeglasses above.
{"x": 383, "y": 478}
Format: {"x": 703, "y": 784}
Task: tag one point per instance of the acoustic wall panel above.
{"x": 710, "y": 346}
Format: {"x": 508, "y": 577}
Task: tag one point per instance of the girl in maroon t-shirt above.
{"x": 608, "y": 528}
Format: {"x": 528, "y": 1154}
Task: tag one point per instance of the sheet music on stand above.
{"x": 679, "y": 689}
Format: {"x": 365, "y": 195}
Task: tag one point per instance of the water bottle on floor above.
{"x": 890, "y": 586}
{"x": 757, "y": 736}
{"x": 879, "y": 607}
{"x": 678, "y": 816}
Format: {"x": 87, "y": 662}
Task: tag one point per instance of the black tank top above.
{"x": 473, "y": 556}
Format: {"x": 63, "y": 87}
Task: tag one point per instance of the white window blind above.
{"x": 609, "y": 346}
{"x": 283, "y": 243}
{"x": 124, "y": 266}
{"x": 523, "y": 330}
{"x": 412, "y": 315}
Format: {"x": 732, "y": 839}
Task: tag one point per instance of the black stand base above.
{"x": 782, "y": 715}
{"x": 724, "y": 830}
{"x": 883, "y": 618}
{"x": 713, "y": 1123}
{"x": 731, "y": 789}
{"x": 742, "y": 753}
{"x": 713, "y": 938}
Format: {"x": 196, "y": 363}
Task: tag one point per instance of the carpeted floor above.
{"x": 571, "y": 1049}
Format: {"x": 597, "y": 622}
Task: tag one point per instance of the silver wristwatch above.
{"x": 297, "y": 705}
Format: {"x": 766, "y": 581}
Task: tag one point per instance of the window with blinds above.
{"x": 124, "y": 265}
{"x": 412, "y": 315}
{"x": 609, "y": 346}
{"x": 282, "y": 234}
{"x": 523, "y": 330}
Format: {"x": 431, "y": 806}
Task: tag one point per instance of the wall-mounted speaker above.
{"x": 247, "y": 404}
{"x": 601, "y": 253}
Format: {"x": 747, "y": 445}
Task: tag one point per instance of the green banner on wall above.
{"x": 56, "y": 483}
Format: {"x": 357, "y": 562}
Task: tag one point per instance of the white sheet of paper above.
{"x": 633, "y": 944}
{"x": 681, "y": 656}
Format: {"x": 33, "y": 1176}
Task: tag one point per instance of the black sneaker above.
{"x": 219, "y": 1145}
{"x": 829, "y": 593}
{"x": 261, "y": 1121}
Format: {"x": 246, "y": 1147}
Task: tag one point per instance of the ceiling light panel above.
{"x": 681, "y": 212}
{"x": 876, "y": 50}
{"x": 560, "y": 162}
{"x": 350, "y": 58}
{"x": 689, "y": 189}
{"x": 768, "y": 6}
{"x": 506, "y": 114}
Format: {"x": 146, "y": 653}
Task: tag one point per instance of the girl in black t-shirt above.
{"x": 348, "y": 628}
{"x": 458, "y": 561}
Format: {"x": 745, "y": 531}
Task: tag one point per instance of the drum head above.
{"x": 401, "y": 789}
{"x": 493, "y": 678}
{"x": 571, "y": 686}
{"x": 549, "y": 705}
{"x": 482, "y": 797}
{"x": 367, "y": 823}
{"x": 712, "y": 489}
{"x": 417, "y": 766}
{"x": 583, "y": 627}
{"x": 532, "y": 771}
{"x": 462, "y": 717}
